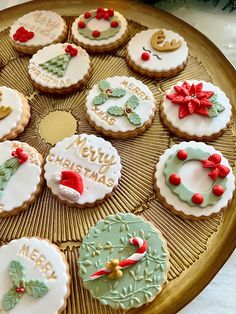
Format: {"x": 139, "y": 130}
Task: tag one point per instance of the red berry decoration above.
{"x": 182, "y": 154}
{"x": 22, "y": 35}
{"x": 82, "y": 24}
{"x": 218, "y": 190}
{"x": 96, "y": 33}
{"x": 145, "y": 56}
{"x": 114, "y": 24}
{"x": 110, "y": 12}
{"x": 18, "y": 290}
{"x": 197, "y": 198}
{"x": 71, "y": 50}
{"x": 175, "y": 179}
{"x": 87, "y": 15}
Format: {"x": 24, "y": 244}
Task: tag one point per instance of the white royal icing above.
{"x": 47, "y": 27}
{"x": 66, "y": 155}
{"x": 170, "y": 60}
{"x": 194, "y": 124}
{"x": 78, "y": 67}
{"x": 12, "y": 99}
{"x": 100, "y": 25}
{"x": 193, "y": 178}
{"x": 24, "y": 182}
{"x": 53, "y": 300}
{"x": 145, "y": 109}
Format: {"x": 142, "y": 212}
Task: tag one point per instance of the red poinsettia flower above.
{"x": 191, "y": 99}
{"x": 218, "y": 170}
{"x": 20, "y": 154}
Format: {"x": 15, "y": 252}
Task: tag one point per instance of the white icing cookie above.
{"x": 209, "y": 113}
{"x": 20, "y": 176}
{"x": 120, "y": 106}
{"x": 196, "y": 177}
{"x": 40, "y": 270}
{"x": 45, "y": 28}
{"x": 142, "y": 57}
{"x": 83, "y": 169}
{"x": 14, "y": 113}
{"x": 60, "y": 67}
{"x": 104, "y": 33}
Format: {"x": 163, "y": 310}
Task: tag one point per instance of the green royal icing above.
{"x": 110, "y": 32}
{"x": 34, "y": 288}
{"x": 174, "y": 164}
{"x": 106, "y": 92}
{"x": 216, "y": 107}
{"x": 109, "y": 240}
{"x": 6, "y": 171}
{"x": 57, "y": 65}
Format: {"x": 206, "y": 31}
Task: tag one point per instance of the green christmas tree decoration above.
{"x": 128, "y": 110}
{"x": 106, "y": 92}
{"x": 34, "y": 288}
{"x": 57, "y": 65}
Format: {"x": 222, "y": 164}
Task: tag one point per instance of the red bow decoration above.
{"x": 104, "y": 14}
{"x": 71, "y": 50}
{"x": 23, "y": 35}
{"x": 218, "y": 170}
{"x": 20, "y": 154}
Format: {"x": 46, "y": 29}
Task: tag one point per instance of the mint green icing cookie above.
{"x": 109, "y": 240}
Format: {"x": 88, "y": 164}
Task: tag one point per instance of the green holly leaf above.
{"x": 219, "y": 107}
{"x": 36, "y": 288}
{"x": 17, "y": 273}
{"x": 132, "y": 102}
{"x": 118, "y": 92}
{"x": 103, "y": 85}
{"x": 134, "y": 118}
{"x": 212, "y": 112}
{"x": 100, "y": 99}
{"x": 10, "y": 299}
{"x": 115, "y": 111}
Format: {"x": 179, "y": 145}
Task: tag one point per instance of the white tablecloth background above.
{"x": 219, "y": 297}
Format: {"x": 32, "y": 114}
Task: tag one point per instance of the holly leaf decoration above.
{"x": 17, "y": 273}
{"x": 133, "y": 102}
{"x": 217, "y": 107}
{"x": 103, "y": 85}
{"x": 10, "y": 299}
{"x": 118, "y": 92}
{"x": 100, "y": 99}
{"x": 36, "y": 288}
{"x": 134, "y": 118}
{"x": 115, "y": 111}
{"x": 212, "y": 112}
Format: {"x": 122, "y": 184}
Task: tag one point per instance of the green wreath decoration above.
{"x": 99, "y": 14}
{"x": 218, "y": 175}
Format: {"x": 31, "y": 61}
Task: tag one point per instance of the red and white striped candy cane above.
{"x": 131, "y": 260}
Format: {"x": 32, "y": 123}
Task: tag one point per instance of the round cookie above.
{"x": 194, "y": 180}
{"x": 120, "y": 107}
{"x": 82, "y": 170}
{"x": 100, "y": 30}
{"x": 35, "y": 277}
{"x": 21, "y": 177}
{"x": 157, "y": 53}
{"x": 59, "y": 68}
{"x": 14, "y": 113}
{"x": 124, "y": 261}
{"x": 36, "y": 30}
{"x": 196, "y": 110}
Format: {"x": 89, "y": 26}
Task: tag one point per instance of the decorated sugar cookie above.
{"x": 196, "y": 110}
{"x": 100, "y": 30}
{"x": 59, "y": 68}
{"x": 157, "y": 53}
{"x": 14, "y": 113}
{"x": 124, "y": 261}
{"x": 35, "y": 277}
{"x": 37, "y": 29}
{"x": 82, "y": 170}
{"x": 120, "y": 107}
{"x": 194, "y": 180}
{"x": 20, "y": 176}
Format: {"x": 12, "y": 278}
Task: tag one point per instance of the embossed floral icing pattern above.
{"x": 110, "y": 239}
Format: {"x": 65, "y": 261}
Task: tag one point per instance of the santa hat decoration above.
{"x": 70, "y": 184}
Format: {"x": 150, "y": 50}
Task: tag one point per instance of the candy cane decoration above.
{"x": 113, "y": 268}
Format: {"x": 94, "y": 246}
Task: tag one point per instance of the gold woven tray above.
{"x": 197, "y": 249}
